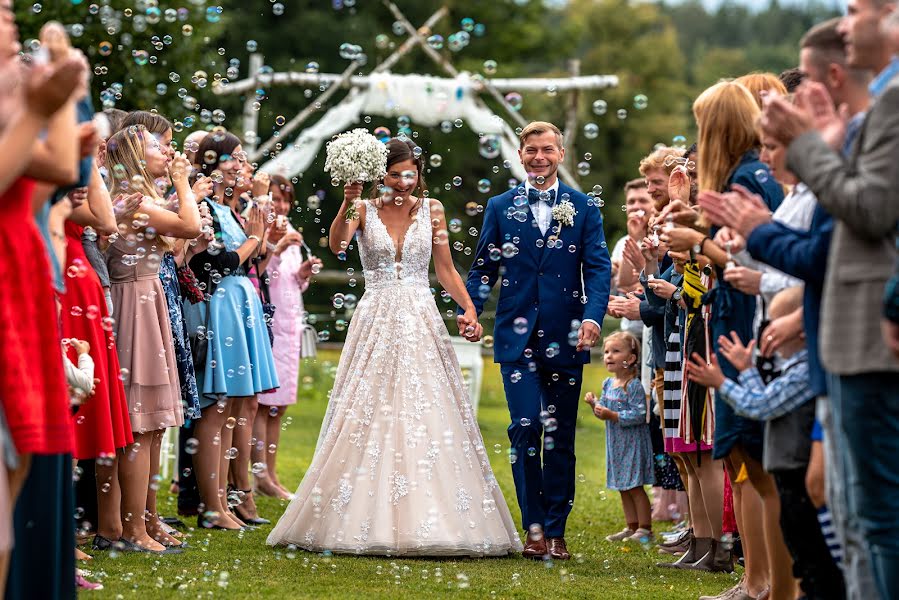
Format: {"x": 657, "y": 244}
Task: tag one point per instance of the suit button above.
{"x": 540, "y": 273}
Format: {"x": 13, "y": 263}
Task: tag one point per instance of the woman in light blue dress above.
{"x": 238, "y": 364}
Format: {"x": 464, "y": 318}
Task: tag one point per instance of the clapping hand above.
{"x": 681, "y": 239}
{"x": 735, "y": 352}
{"x": 707, "y": 374}
{"x": 627, "y": 307}
{"x": 661, "y": 288}
{"x": 739, "y": 209}
{"x": 125, "y": 205}
{"x": 726, "y": 236}
{"x": 679, "y": 212}
{"x": 261, "y": 182}
{"x": 255, "y": 224}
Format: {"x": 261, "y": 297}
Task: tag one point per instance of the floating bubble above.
{"x": 514, "y": 100}
{"x": 484, "y": 185}
{"x": 435, "y": 161}
{"x": 435, "y": 41}
{"x": 641, "y": 101}
{"x": 591, "y": 131}
{"x": 600, "y": 107}
{"x": 490, "y": 67}
{"x": 520, "y": 325}
{"x": 489, "y": 146}
{"x": 622, "y": 113}
{"x": 762, "y": 175}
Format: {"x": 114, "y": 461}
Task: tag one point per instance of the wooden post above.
{"x": 574, "y": 70}
{"x": 311, "y": 108}
{"x": 250, "y": 114}
{"x": 451, "y": 70}
{"x": 319, "y": 101}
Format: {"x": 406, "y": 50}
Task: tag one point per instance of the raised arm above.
{"x": 97, "y": 212}
{"x": 343, "y": 228}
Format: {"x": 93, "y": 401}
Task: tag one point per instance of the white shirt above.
{"x": 542, "y": 210}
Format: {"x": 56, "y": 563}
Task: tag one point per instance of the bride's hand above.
{"x": 469, "y": 328}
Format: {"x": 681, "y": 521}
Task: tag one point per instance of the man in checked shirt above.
{"x": 787, "y": 408}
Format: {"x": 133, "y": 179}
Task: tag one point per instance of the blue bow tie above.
{"x": 535, "y": 195}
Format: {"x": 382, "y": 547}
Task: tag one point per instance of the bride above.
{"x": 400, "y": 467}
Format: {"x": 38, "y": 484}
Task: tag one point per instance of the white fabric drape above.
{"x": 425, "y": 99}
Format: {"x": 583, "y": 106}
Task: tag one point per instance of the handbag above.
{"x": 190, "y": 287}
{"x": 199, "y": 342}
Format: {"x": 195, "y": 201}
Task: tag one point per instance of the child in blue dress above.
{"x": 628, "y": 446}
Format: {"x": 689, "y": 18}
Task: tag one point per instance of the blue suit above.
{"x": 548, "y": 286}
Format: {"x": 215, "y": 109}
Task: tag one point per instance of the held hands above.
{"x": 587, "y": 336}
{"x": 709, "y": 375}
{"x": 469, "y": 328}
{"x": 732, "y": 348}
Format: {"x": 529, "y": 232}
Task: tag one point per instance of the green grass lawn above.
{"x": 240, "y": 565}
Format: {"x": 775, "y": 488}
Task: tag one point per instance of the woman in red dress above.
{"x": 102, "y": 425}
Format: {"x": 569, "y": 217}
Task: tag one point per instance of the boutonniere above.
{"x": 564, "y": 213}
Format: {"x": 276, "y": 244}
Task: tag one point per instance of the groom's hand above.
{"x": 588, "y": 336}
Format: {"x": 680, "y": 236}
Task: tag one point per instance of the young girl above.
{"x": 628, "y": 445}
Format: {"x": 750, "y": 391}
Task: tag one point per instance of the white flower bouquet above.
{"x": 353, "y": 156}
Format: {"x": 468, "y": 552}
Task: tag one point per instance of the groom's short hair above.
{"x": 538, "y": 128}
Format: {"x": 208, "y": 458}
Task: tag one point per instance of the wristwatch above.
{"x": 678, "y": 294}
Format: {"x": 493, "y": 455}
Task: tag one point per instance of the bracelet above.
{"x": 255, "y": 237}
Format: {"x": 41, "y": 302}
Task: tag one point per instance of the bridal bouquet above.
{"x": 355, "y": 155}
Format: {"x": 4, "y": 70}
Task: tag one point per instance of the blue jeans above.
{"x": 870, "y": 425}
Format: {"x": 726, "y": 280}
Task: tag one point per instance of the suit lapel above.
{"x": 554, "y": 230}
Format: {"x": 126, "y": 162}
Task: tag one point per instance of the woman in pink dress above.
{"x": 288, "y": 276}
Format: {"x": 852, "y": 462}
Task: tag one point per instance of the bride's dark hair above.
{"x": 400, "y": 150}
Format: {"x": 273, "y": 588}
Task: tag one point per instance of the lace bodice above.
{"x": 379, "y": 253}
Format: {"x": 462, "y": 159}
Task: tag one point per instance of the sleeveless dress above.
{"x": 286, "y": 289}
{"x": 190, "y": 398}
{"x": 101, "y": 423}
{"x": 33, "y": 391}
{"x": 400, "y": 468}
{"x": 239, "y": 359}
{"x": 144, "y": 334}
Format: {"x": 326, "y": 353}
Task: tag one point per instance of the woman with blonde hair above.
{"x": 759, "y": 83}
{"x": 728, "y": 155}
{"x": 141, "y": 167}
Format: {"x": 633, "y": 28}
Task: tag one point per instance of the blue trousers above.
{"x": 543, "y": 463}
{"x": 870, "y": 426}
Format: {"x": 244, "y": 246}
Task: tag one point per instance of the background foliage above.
{"x": 166, "y": 56}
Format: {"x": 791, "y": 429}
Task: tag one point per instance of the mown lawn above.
{"x": 221, "y": 564}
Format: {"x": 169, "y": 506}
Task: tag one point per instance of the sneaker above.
{"x": 642, "y": 536}
{"x": 621, "y": 535}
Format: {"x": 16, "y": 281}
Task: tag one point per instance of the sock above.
{"x": 632, "y": 526}
{"x": 830, "y": 534}
{"x": 646, "y": 527}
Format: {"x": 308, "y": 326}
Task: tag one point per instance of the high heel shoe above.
{"x": 205, "y": 523}
{"x": 249, "y": 520}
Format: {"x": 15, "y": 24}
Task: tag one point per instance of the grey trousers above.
{"x": 856, "y": 566}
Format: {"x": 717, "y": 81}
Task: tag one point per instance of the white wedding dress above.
{"x": 400, "y": 467}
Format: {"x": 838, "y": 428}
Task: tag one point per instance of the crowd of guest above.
{"x": 759, "y": 270}
{"x": 176, "y": 280}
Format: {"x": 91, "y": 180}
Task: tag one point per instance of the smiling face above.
{"x": 231, "y": 167}
{"x": 281, "y": 203}
{"x": 638, "y": 199}
{"x": 541, "y": 154}
{"x": 861, "y": 30}
{"x": 402, "y": 178}
{"x": 657, "y": 186}
{"x": 617, "y": 355}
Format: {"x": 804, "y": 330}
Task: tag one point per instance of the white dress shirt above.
{"x": 542, "y": 210}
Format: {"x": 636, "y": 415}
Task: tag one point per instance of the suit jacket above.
{"x": 802, "y": 254}
{"x": 547, "y": 287}
{"x": 862, "y": 195}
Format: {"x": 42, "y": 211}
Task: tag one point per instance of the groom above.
{"x": 544, "y": 240}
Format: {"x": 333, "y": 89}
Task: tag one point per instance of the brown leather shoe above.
{"x": 557, "y": 548}
{"x": 535, "y": 548}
